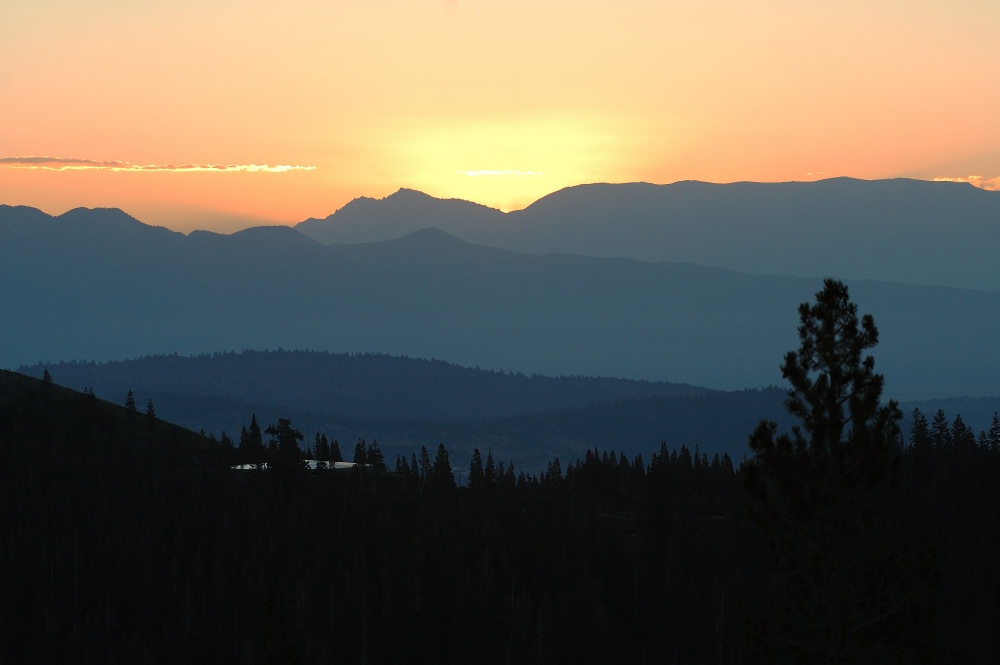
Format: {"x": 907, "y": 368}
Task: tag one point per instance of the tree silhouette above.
{"x": 322, "y": 451}
{"x": 993, "y": 436}
{"x": 840, "y": 596}
{"x": 251, "y": 446}
{"x": 375, "y": 457}
{"x": 285, "y": 441}
{"x": 425, "y": 463}
{"x": 920, "y": 435}
{"x": 477, "y": 478}
{"x": 962, "y": 436}
{"x": 441, "y": 473}
{"x": 360, "y": 453}
{"x": 940, "y": 432}
{"x": 335, "y": 455}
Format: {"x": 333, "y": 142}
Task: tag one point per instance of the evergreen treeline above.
{"x": 125, "y": 539}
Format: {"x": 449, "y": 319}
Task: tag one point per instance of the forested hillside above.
{"x": 125, "y": 539}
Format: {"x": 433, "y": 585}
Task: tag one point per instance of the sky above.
{"x": 221, "y": 114}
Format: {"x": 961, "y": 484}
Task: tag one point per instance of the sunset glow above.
{"x": 225, "y": 115}
{"x": 990, "y": 184}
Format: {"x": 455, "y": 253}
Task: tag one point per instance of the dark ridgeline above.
{"x": 404, "y": 402}
{"x": 367, "y": 385}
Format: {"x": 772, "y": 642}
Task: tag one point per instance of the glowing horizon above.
{"x": 228, "y": 116}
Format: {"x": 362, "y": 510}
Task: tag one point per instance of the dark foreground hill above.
{"x": 73, "y": 426}
{"x": 405, "y": 403}
{"x": 125, "y": 542}
{"x": 103, "y": 286}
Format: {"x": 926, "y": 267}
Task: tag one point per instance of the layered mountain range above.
{"x": 689, "y": 283}
{"x": 911, "y": 231}
{"x": 100, "y": 285}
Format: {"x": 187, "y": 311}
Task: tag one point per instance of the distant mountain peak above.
{"x": 115, "y": 218}
{"x": 367, "y": 220}
{"x": 82, "y": 212}
{"x": 401, "y": 195}
{"x": 407, "y": 196}
{"x": 81, "y": 223}
{"x": 5, "y": 208}
{"x": 21, "y": 214}
{"x": 407, "y": 193}
{"x": 76, "y": 215}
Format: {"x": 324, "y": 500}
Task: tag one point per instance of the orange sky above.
{"x": 496, "y": 102}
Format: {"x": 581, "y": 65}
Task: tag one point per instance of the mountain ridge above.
{"x": 412, "y": 204}
{"x": 903, "y": 230}
{"x": 107, "y": 296}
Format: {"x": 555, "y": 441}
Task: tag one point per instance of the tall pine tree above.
{"x": 840, "y": 595}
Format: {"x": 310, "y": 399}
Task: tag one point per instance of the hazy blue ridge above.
{"x": 354, "y": 385}
{"x": 911, "y": 231}
{"x": 109, "y": 287}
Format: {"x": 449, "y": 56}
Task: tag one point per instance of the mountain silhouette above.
{"x": 96, "y": 294}
{"x": 910, "y": 231}
{"x": 371, "y": 220}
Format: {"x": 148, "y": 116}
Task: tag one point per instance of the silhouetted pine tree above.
{"x": 477, "y": 478}
{"x": 920, "y": 436}
{"x": 360, "y": 452}
{"x": 841, "y": 597}
{"x": 441, "y": 474}
{"x": 284, "y": 445}
{"x": 994, "y": 434}
{"x": 375, "y": 457}
{"x": 940, "y": 432}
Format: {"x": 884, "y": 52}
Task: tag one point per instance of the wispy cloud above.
{"x": 498, "y": 172}
{"x": 991, "y": 184}
{"x": 72, "y": 164}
